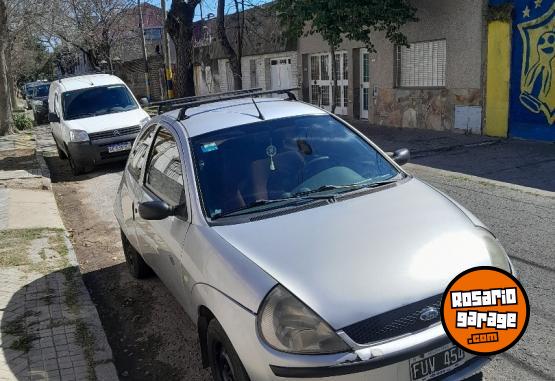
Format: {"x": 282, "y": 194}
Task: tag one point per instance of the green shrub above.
{"x": 22, "y": 121}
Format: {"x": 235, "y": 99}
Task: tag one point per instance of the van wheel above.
{"x": 224, "y": 361}
{"x": 76, "y": 169}
{"x": 135, "y": 263}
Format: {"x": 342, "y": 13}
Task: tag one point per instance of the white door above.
{"x": 280, "y": 71}
{"x": 321, "y": 82}
{"x": 342, "y": 75}
{"x": 364, "y": 83}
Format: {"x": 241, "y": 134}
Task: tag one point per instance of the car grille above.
{"x": 115, "y": 133}
{"x": 393, "y": 323}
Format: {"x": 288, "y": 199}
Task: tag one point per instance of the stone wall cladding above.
{"x": 431, "y": 109}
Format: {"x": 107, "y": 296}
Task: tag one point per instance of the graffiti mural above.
{"x": 532, "y": 109}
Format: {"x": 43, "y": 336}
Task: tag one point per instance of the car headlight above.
{"x": 78, "y": 136}
{"x": 287, "y": 325}
{"x": 497, "y": 253}
{"x": 144, "y": 120}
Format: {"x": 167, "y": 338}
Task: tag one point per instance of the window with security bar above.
{"x": 421, "y": 65}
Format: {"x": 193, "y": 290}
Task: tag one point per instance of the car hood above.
{"x": 363, "y": 256}
{"x": 108, "y": 121}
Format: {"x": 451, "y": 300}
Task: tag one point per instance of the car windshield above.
{"x": 96, "y": 101}
{"x": 41, "y": 91}
{"x": 267, "y": 165}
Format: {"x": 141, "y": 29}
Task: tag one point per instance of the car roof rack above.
{"x": 172, "y": 104}
{"x": 185, "y": 106}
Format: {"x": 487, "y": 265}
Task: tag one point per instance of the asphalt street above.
{"x": 157, "y": 330}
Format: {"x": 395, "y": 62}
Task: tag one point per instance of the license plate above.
{"x": 436, "y": 363}
{"x": 124, "y": 146}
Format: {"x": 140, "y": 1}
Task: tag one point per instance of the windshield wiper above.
{"x": 311, "y": 193}
{"x": 247, "y": 209}
{"x": 82, "y": 115}
{"x": 375, "y": 184}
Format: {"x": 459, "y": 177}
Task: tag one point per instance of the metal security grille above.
{"x": 115, "y": 133}
{"x": 421, "y": 65}
{"x": 393, "y": 323}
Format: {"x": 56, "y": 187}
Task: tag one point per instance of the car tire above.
{"x": 224, "y": 361}
{"x": 135, "y": 263}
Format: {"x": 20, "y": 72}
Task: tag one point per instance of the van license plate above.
{"x": 436, "y": 363}
{"x": 124, "y": 146}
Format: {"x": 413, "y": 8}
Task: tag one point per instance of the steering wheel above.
{"x": 310, "y": 166}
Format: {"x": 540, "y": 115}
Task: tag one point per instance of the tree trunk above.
{"x": 11, "y": 78}
{"x": 334, "y": 79}
{"x": 180, "y": 28}
{"x": 234, "y": 58}
{"x": 6, "y": 122}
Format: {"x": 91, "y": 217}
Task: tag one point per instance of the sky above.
{"x": 208, "y": 6}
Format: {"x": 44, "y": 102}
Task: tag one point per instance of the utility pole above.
{"x": 167, "y": 51}
{"x": 145, "y": 57}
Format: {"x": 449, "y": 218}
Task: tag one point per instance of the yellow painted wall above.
{"x": 498, "y": 75}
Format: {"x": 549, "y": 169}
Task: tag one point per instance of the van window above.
{"x": 94, "y": 101}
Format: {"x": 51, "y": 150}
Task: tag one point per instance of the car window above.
{"x": 164, "y": 175}
{"x": 137, "y": 158}
{"x": 240, "y": 167}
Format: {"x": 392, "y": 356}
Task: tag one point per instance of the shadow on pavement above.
{"x": 150, "y": 335}
{"x": 61, "y": 171}
{"x": 529, "y": 164}
{"x": 49, "y": 328}
{"x": 525, "y": 163}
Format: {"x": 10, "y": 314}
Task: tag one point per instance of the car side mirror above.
{"x": 155, "y": 210}
{"x": 401, "y": 156}
{"x": 53, "y": 117}
{"x": 144, "y": 102}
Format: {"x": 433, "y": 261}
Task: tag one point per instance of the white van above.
{"x": 94, "y": 119}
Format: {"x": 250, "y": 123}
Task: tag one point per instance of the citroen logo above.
{"x": 116, "y": 133}
{"x": 429, "y": 313}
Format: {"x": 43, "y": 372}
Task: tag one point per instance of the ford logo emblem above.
{"x": 429, "y": 313}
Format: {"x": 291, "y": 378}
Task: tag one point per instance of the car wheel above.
{"x": 76, "y": 169}
{"x": 135, "y": 263}
{"x": 224, "y": 361}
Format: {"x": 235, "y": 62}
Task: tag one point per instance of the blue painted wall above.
{"x": 532, "y": 86}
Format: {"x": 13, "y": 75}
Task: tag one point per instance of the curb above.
{"x": 423, "y": 152}
{"x": 45, "y": 172}
{"x": 103, "y": 363}
{"x": 521, "y": 188}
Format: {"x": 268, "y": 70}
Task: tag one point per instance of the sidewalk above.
{"x": 49, "y": 327}
{"x": 419, "y": 141}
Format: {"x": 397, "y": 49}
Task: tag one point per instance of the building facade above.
{"x": 269, "y": 58}
{"x": 435, "y": 84}
{"x": 521, "y": 61}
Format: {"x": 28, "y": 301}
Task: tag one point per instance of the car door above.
{"x": 162, "y": 241}
{"x": 130, "y": 192}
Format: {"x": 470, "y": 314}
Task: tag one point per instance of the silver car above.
{"x": 298, "y": 247}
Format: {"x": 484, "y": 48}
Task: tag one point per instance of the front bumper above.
{"x": 384, "y": 363}
{"x": 91, "y": 153}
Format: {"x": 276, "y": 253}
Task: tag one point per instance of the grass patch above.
{"x": 17, "y": 243}
{"x": 71, "y": 294}
{"x": 18, "y": 329}
{"x": 23, "y": 343}
{"x": 86, "y": 340}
